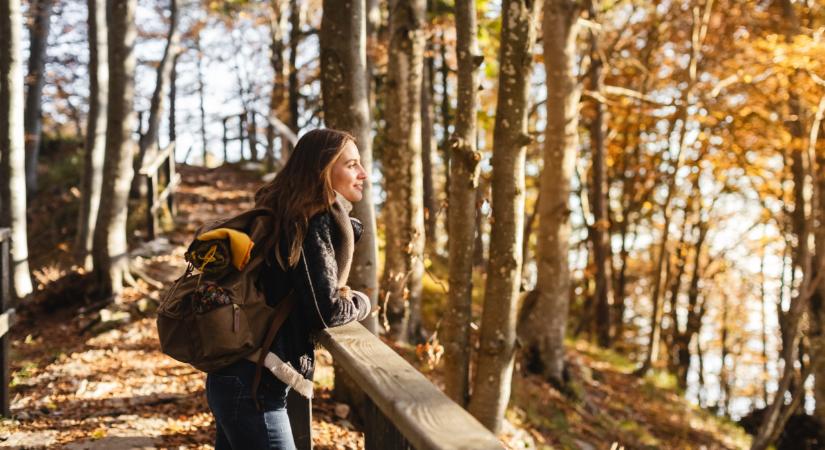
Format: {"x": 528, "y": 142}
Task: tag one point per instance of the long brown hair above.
{"x": 302, "y": 188}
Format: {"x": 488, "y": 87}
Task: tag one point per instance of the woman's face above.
{"x": 347, "y": 173}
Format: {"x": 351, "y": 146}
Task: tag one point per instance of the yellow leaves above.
{"x": 99, "y": 433}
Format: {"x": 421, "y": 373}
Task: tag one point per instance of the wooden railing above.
{"x": 247, "y": 135}
{"x": 403, "y": 410}
{"x": 163, "y": 163}
{"x": 6, "y": 319}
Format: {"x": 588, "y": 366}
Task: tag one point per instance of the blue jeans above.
{"x": 240, "y": 426}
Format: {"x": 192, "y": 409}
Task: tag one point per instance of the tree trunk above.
{"x": 277, "y": 95}
{"x": 776, "y": 414}
{"x": 41, "y": 12}
{"x": 201, "y": 99}
{"x": 252, "y": 134}
{"x": 95, "y": 146}
{"x": 478, "y": 228}
{"x": 295, "y": 13}
{"x": 529, "y": 224}
{"x": 427, "y": 149}
{"x": 404, "y": 212}
{"x": 816, "y": 333}
{"x": 764, "y": 322}
{"x": 111, "y": 254}
{"x": 547, "y": 322}
{"x": 724, "y": 378}
{"x": 345, "y": 91}
{"x": 173, "y": 98}
{"x": 494, "y": 367}
{"x": 446, "y": 118}
{"x": 600, "y": 235}
{"x": 462, "y": 210}
{"x": 163, "y": 74}
{"x": 12, "y": 146}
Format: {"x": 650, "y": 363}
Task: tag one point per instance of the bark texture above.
{"x": 111, "y": 255}
{"x": 455, "y": 328}
{"x": 494, "y": 367}
{"x": 12, "y": 147}
{"x": 545, "y": 325}
{"x": 404, "y": 212}
{"x": 95, "y": 145}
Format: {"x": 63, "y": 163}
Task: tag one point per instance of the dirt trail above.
{"x": 79, "y": 383}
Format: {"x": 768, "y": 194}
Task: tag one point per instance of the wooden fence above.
{"x": 247, "y": 134}
{"x": 6, "y": 319}
{"x": 403, "y": 410}
{"x": 163, "y": 164}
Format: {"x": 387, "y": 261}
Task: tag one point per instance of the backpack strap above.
{"x": 281, "y": 312}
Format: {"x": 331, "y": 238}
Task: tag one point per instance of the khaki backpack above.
{"x": 216, "y": 313}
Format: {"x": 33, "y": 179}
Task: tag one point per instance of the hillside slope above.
{"x": 81, "y": 383}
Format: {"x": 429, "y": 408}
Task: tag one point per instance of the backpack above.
{"x": 216, "y": 313}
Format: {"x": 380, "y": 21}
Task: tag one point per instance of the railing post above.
{"x": 5, "y": 301}
{"x": 299, "y": 410}
{"x": 151, "y": 200}
{"x": 225, "y": 142}
{"x": 241, "y": 123}
{"x": 380, "y": 433}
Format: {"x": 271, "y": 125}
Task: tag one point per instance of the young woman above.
{"x": 312, "y": 254}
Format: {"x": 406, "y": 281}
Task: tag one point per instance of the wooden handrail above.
{"x": 425, "y": 416}
{"x": 164, "y": 159}
{"x": 282, "y": 128}
{"x": 153, "y": 166}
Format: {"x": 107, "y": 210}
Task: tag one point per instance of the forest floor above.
{"x": 89, "y": 375}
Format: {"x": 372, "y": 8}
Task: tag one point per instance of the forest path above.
{"x": 81, "y": 383}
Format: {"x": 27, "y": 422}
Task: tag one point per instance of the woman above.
{"x": 314, "y": 240}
